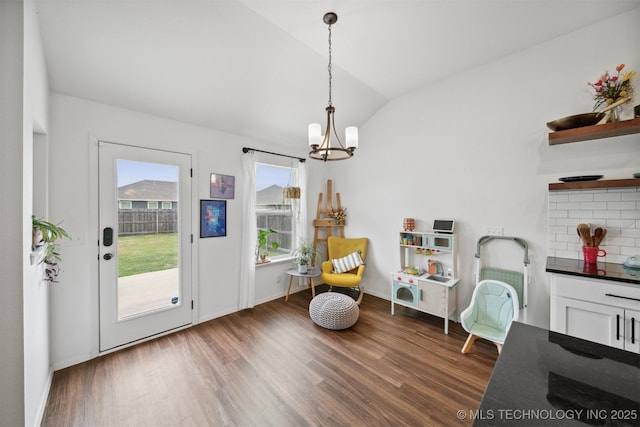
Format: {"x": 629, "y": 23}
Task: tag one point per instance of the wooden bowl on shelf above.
{"x": 575, "y": 121}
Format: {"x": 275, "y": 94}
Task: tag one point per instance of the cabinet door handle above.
{"x": 618, "y": 327}
{"x": 633, "y": 330}
{"x": 623, "y": 297}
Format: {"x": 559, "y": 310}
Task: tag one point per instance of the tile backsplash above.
{"x": 616, "y": 209}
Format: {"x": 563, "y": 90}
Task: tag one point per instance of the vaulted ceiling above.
{"x": 259, "y": 67}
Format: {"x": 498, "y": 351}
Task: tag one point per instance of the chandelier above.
{"x": 321, "y": 145}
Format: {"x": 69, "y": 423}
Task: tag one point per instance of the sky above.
{"x": 267, "y": 175}
{"x": 131, "y": 171}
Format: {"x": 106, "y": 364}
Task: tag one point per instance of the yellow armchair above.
{"x": 338, "y": 247}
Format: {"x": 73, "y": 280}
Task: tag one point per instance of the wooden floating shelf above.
{"x": 586, "y": 185}
{"x": 586, "y": 133}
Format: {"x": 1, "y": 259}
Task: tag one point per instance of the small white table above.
{"x": 311, "y": 274}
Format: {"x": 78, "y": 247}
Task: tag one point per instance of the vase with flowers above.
{"x": 611, "y": 92}
{"x": 338, "y": 215}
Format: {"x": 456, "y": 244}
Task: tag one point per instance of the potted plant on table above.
{"x": 45, "y": 233}
{"x": 303, "y": 255}
{"x": 262, "y": 251}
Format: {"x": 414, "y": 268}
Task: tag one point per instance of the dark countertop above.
{"x": 601, "y": 270}
{"x": 551, "y": 379}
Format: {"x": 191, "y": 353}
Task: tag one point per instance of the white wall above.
{"x": 474, "y": 147}
{"x": 73, "y": 197}
{"x": 11, "y": 212}
{"x": 24, "y": 354}
{"x": 37, "y": 364}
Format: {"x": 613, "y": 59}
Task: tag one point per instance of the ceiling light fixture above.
{"x": 321, "y": 148}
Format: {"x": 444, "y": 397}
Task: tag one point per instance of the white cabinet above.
{"x": 415, "y": 286}
{"x": 589, "y": 321}
{"x": 602, "y": 311}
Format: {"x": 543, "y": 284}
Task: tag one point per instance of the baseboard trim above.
{"x": 43, "y": 399}
{"x": 73, "y": 361}
{"x": 216, "y": 315}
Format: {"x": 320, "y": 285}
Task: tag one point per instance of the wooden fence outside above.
{"x": 156, "y": 221}
{"x": 280, "y": 221}
{"x": 146, "y": 221}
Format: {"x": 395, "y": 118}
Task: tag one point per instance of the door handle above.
{"x": 633, "y": 330}
{"x": 107, "y": 256}
{"x": 107, "y": 236}
{"x": 618, "y": 327}
{"x": 619, "y": 296}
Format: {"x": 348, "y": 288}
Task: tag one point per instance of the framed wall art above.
{"x": 213, "y": 218}
{"x": 222, "y": 186}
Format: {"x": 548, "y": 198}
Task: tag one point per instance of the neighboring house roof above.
{"x": 166, "y": 190}
{"x": 271, "y": 195}
{"x": 149, "y": 190}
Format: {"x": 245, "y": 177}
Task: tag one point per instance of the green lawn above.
{"x": 146, "y": 253}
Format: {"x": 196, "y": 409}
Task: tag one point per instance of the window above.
{"x": 166, "y": 205}
{"x": 273, "y": 211}
{"x": 152, "y": 205}
{"x": 125, "y": 204}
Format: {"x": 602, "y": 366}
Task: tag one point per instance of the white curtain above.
{"x": 249, "y": 232}
{"x": 300, "y": 218}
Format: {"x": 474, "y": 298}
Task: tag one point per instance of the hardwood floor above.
{"x": 272, "y": 366}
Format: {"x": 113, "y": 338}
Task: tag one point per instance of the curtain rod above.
{"x": 247, "y": 149}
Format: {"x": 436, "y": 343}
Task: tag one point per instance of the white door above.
{"x": 145, "y": 243}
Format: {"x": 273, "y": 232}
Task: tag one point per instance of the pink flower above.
{"x": 614, "y": 78}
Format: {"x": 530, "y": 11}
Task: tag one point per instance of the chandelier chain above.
{"x": 329, "y": 66}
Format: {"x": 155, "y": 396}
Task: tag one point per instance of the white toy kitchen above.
{"x": 428, "y": 276}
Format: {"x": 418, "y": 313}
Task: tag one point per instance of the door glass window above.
{"x": 148, "y": 244}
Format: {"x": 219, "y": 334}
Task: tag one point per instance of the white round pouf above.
{"x": 334, "y": 310}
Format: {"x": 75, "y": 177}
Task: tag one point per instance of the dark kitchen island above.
{"x": 543, "y": 378}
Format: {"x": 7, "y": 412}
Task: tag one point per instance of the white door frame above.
{"x": 94, "y": 232}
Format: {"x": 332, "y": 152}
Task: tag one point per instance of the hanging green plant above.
{"x": 47, "y": 234}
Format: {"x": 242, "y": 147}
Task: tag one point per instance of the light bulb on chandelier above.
{"x": 321, "y": 145}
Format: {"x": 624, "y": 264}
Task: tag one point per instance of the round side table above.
{"x": 311, "y": 274}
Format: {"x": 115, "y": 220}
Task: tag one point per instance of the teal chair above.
{"x": 494, "y": 305}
